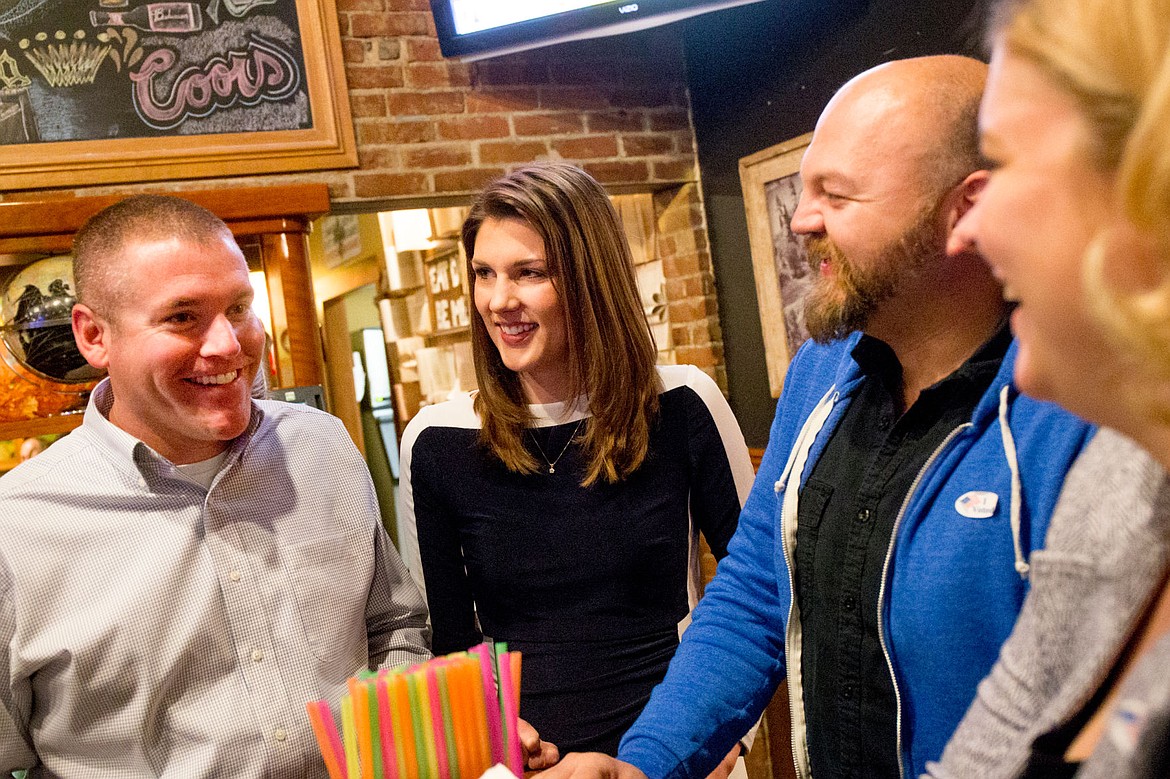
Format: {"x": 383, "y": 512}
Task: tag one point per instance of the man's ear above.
{"x": 92, "y": 335}
{"x": 963, "y": 198}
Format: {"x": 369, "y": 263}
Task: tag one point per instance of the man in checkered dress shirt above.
{"x": 183, "y": 572}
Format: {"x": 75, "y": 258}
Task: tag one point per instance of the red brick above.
{"x": 373, "y": 158}
{"x": 680, "y": 335}
{"x": 511, "y": 151}
{"x": 680, "y": 265}
{"x": 670, "y": 119}
{"x": 354, "y": 51}
{"x": 674, "y": 170}
{"x": 424, "y": 103}
{"x": 423, "y": 49}
{"x": 579, "y": 98}
{"x": 373, "y": 133}
{"x": 500, "y": 101}
{"x": 425, "y": 75}
{"x": 370, "y": 25}
{"x": 389, "y": 184}
{"x": 448, "y": 155}
{"x": 389, "y": 49}
{"x": 615, "y": 121}
{"x": 621, "y": 172}
{"x": 695, "y": 355}
{"x": 374, "y": 76}
{"x": 368, "y": 104}
{"x": 408, "y": 5}
{"x": 547, "y": 124}
{"x": 689, "y": 310}
{"x": 587, "y": 147}
{"x": 469, "y": 180}
{"x": 647, "y": 145}
{"x": 468, "y": 128}
{"x": 344, "y": 6}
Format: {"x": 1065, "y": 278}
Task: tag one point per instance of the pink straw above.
{"x": 511, "y": 715}
{"x": 334, "y": 734}
{"x": 437, "y": 722}
{"x": 389, "y": 761}
{"x": 491, "y": 703}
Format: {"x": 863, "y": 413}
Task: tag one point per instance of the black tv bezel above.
{"x": 548, "y": 30}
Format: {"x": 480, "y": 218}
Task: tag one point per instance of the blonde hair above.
{"x": 1113, "y": 57}
{"x": 611, "y": 349}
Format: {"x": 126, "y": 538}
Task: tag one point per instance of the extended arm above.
{"x": 730, "y": 659}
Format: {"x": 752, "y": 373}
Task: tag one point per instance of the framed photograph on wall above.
{"x": 771, "y": 189}
{"x": 108, "y": 91}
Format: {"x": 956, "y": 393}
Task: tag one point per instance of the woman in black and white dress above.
{"x": 558, "y": 507}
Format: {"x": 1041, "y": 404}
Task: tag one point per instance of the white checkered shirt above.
{"x": 149, "y": 627}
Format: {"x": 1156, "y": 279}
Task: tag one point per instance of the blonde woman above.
{"x": 557, "y": 508}
{"x": 1075, "y": 220}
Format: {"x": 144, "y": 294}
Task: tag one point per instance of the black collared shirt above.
{"x": 847, "y": 512}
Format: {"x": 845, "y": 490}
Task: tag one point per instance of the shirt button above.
{"x": 234, "y": 576}
{"x": 847, "y": 692}
{"x": 257, "y": 655}
{"x": 847, "y": 604}
{"x": 280, "y": 735}
{"x": 863, "y": 515}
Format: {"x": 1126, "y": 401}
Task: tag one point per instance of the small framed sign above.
{"x": 112, "y": 91}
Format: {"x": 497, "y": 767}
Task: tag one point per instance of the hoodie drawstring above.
{"x": 1009, "y": 449}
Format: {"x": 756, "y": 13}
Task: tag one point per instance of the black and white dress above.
{"x": 590, "y": 584}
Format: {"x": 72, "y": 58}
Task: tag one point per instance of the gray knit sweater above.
{"x": 1107, "y": 551}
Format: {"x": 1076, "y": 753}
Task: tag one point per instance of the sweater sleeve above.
{"x": 429, "y": 535}
{"x": 721, "y": 467}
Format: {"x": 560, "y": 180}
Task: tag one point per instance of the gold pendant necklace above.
{"x": 552, "y": 463}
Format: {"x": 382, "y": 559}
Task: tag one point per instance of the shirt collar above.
{"x": 128, "y": 449}
{"x": 876, "y": 358}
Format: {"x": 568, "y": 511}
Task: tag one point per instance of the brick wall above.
{"x": 428, "y": 127}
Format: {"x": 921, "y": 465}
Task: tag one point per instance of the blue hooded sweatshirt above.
{"x": 954, "y": 579}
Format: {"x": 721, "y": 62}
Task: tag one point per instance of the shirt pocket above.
{"x": 331, "y": 587}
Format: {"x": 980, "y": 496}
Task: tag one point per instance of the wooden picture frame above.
{"x": 771, "y": 186}
{"x": 327, "y": 142}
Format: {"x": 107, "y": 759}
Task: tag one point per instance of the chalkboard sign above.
{"x": 95, "y": 91}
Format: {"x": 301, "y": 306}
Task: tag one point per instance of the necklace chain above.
{"x": 552, "y": 463}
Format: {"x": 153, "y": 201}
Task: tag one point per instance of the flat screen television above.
{"x": 475, "y": 29}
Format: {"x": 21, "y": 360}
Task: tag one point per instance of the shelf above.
{"x": 27, "y": 428}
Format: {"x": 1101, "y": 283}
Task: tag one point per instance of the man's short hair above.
{"x": 98, "y": 246}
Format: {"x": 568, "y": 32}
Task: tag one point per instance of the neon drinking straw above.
{"x": 332, "y": 764}
{"x": 361, "y": 719}
{"x": 404, "y": 726}
{"x": 508, "y": 706}
{"x": 353, "y": 769}
{"x": 385, "y": 730}
{"x": 458, "y": 734}
{"x": 435, "y": 704}
{"x": 491, "y": 707}
{"x": 375, "y": 737}
{"x": 423, "y": 734}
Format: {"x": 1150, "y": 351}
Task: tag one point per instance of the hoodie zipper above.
{"x": 885, "y": 579}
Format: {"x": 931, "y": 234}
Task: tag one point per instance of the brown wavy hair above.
{"x": 611, "y": 349}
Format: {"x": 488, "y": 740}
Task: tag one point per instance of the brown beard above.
{"x": 843, "y": 302}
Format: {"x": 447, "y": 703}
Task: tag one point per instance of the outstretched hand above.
{"x": 591, "y": 765}
{"x": 538, "y": 755}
